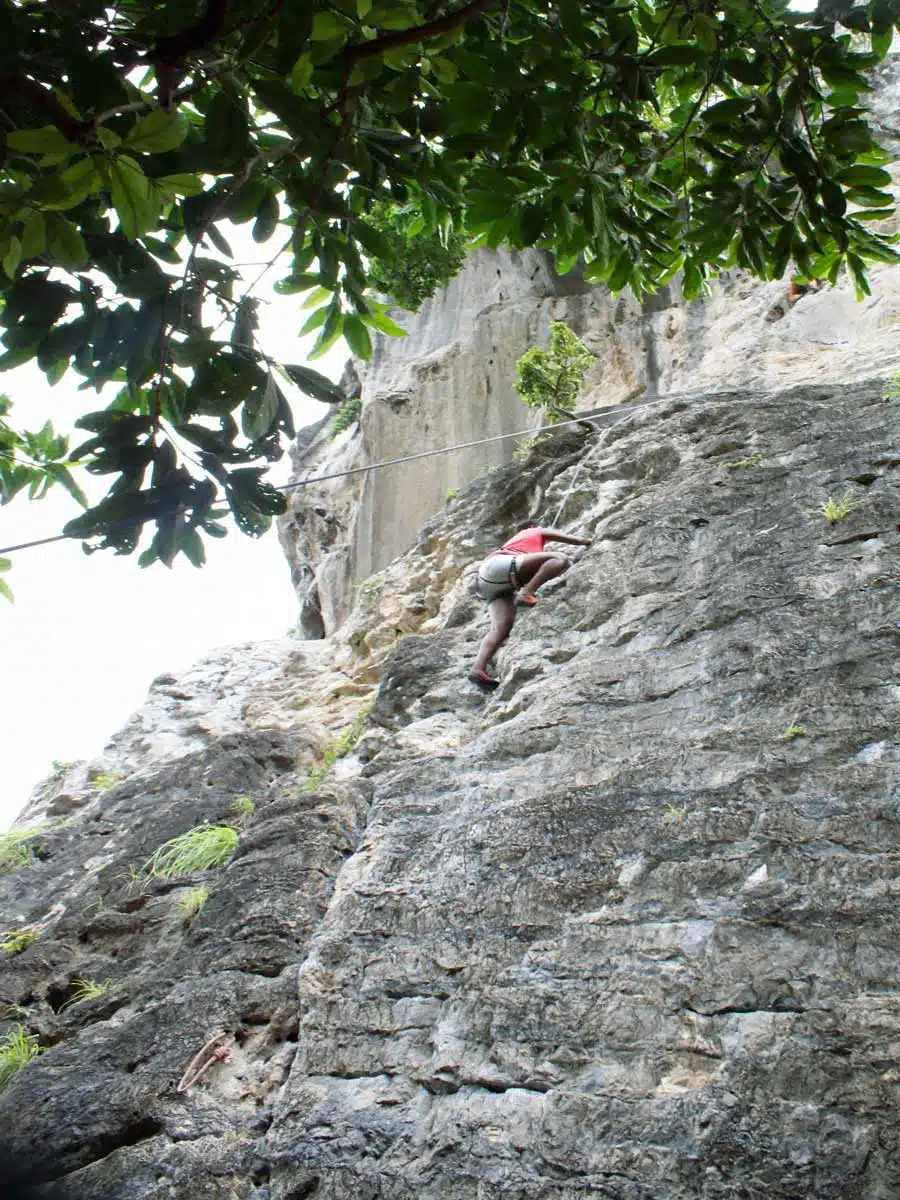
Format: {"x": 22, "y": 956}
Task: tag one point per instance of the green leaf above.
{"x": 63, "y": 475}
{"x": 833, "y": 198}
{"x": 692, "y": 281}
{"x": 838, "y": 76}
{"x": 857, "y": 269}
{"x": 881, "y": 43}
{"x": 316, "y": 320}
{"x": 320, "y": 387}
{"x": 227, "y": 126}
{"x": 848, "y": 136}
{"x": 372, "y": 240}
{"x": 725, "y": 111}
{"x": 132, "y": 199}
{"x": 34, "y": 236}
{"x": 260, "y": 409}
{"x": 746, "y": 72}
{"x": 64, "y": 243}
{"x": 163, "y": 250}
{"x": 6, "y": 591}
{"x": 266, "y": 217}
{"x": 383, "y": 323}
{"x": 292, "y": 284}
{"x": 56, "y": 370}
{"x": 46, "y": 140}
{"x": 215, "y": 236}
{"x": 302, "y": 73}
{"x": 883, "y": 14}
{"x": 444, "y": 70}
{"x": 678, "y": 56}
{"x": 79, "y": 181}
{"x": 157, "y": 132}
{"x": 12, "y": 257}
{"x": 191, "y": 546}
{"x": 179, "y": 185}
{"x": 327, "y": 25}
{"x": 861, "y": 176}
{"x": 357, "y": 337}
{"x": 331, "y": 330}
{"x": 870, "y": 197}
{"x": 317, "y": 297}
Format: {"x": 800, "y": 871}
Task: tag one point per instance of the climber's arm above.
{"x": 554, "y": 535}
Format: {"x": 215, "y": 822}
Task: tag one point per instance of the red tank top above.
{"x": 526, "y": 541}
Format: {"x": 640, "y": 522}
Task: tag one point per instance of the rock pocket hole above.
{"x": 305, "y": 1191}
{"x": 59, "y": 997}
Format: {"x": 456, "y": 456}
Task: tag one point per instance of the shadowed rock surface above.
{"x": 612, "y": 931}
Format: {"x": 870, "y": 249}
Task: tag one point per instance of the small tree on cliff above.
{"x": 552, "y": 379}
{"x": 643, "y": 139}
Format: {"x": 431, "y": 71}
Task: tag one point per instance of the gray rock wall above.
{"x": 625, "y": 928}
{"x": 452, "y": 380}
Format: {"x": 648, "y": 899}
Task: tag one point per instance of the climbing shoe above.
{"x": 481, "y": 679}
{"x": 526, "y": 600}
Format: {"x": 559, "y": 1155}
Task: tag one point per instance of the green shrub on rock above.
{"x": 348, "y": 415}
{"x": 552, "y": 379}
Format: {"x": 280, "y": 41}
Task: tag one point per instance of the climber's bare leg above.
{"x": 534, "y": 569}
{"x": 503, "y": 616}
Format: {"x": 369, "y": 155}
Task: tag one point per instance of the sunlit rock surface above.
{"x": 625, "y": 928}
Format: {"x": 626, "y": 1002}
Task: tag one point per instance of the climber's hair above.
{"x": 531, "y": 523}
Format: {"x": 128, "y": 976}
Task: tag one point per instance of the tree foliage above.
{"x": 642, "y": 137}
{"x": 552, "y": 379}
{"x": 420, "y": 262}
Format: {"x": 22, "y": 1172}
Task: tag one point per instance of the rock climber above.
{"x": 520, "y": 566}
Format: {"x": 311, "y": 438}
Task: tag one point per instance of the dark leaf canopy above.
{"x": 639, "y": 138}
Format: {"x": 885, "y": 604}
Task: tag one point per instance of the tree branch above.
{"x": 20, "y": 87}
{"x": 418, "y": 33}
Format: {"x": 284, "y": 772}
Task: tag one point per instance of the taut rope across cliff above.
{"x": 609, "y": 415}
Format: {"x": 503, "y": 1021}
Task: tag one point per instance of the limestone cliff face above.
{"x": 452, "y": 380}
{"x": 625, "y": 928}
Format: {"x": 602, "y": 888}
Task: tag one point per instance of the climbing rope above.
{"x": 581, "y": 462}
{"x": 588, "y": 419}
{"x": 217, "y": 1049}
{"x": 290, "y": 487}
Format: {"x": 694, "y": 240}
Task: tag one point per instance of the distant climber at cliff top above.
{"x": 519, "y": 566}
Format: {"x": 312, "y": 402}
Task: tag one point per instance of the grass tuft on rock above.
{"x": 836, "y": 509}
{"x": 793, "y": 732}
{"x": 199, "y": 849}
{"x": 16, "y": 848}
{"x": 14, "y": 941}
{"x": 191, "y": 903}
{"x": 85, "y": 989}
{"x": 17, "y": 1050}
{"x": 340, "y": 749}
{"x": 243, "y": 806}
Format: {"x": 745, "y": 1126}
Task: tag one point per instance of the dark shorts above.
{"x": 497, "y": 576}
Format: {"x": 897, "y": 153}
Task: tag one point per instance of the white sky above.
{"x": 87, "y": 634}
